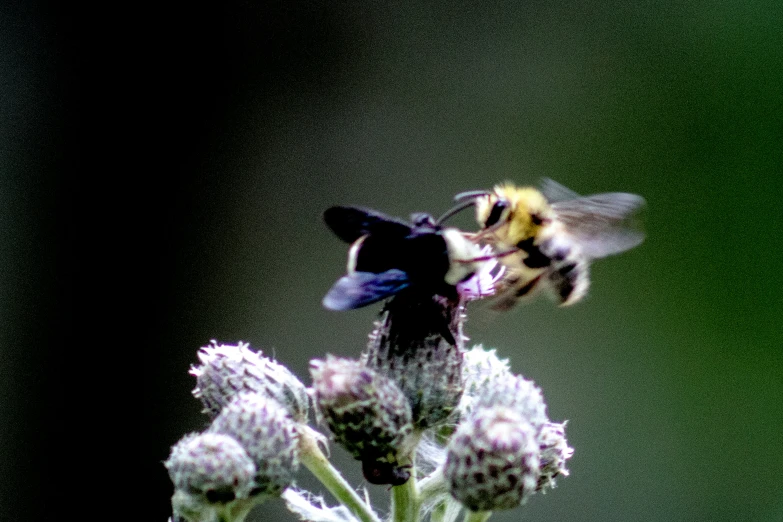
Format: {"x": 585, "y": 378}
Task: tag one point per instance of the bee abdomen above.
{"x": 535, "y": 257}
{"x": 570, "y": 281}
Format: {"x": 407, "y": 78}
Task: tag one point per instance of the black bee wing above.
{"x": 602, "y": 224}
{"x": 359, "y": 289}
{"x": 351, "y": 223}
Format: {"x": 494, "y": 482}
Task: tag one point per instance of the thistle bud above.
{"x": 418, "y": 344}
{"x": 504, "y": 448}
{"x": 213, "y": 465}
{"x": 493, "y": 461}
{"x": 481, "y": 369}
{"x": 269, "y": 436}
{"x": 227, "y": 370}
{"x": 368, "y": 415}
{"x": 211, "y": 473}
{"x": 517, "y": 393}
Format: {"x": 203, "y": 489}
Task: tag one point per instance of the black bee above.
{"x": 389, "y": 255}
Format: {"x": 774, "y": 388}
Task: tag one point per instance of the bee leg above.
{"x": 526, "y": 288}
{"x": 486, "y": 258}
{"x": 510, "y": 294}
{"x": 485, "y": 234}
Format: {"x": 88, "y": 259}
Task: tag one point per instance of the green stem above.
{"x": 432, "y": 485}
{"x": 477, "y": 516}
{"x": 438, "y": 513}
{"x": 314, "y": 460}
{"x": 239, "y": 510}
{"x": 405, "y": 499}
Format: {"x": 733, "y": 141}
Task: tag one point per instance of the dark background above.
{"x": 164, "y": 173}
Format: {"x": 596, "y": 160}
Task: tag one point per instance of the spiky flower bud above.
{"x": 418, "y": 343}
{"x": 554, "y": 452}
{"x": 227, "y": 370}
{"x": 212, "y": 474}
{"x": 517, "y": 393}
{"x": 368, "y": 415}
{"x": 213, "y": 465}
{"x": 504, "y": 448}
{"x": 481, "y": 369}
{"x": 493, "y": 460}
{"x": 263, "y": 427}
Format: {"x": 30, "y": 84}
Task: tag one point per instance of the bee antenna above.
{"x": 455, "y": 209}
{"x": 470, "y": 195}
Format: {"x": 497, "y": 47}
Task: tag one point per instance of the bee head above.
{"x": 514, "y": 213}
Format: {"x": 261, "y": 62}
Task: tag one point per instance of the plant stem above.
{"x": 314, "y": 460}
{"x": 438, "y": 512}
{"x": 432, "y": 485}
{"x": 477, "y": 516}
{"x": 239, "y": 510}
{"x": 405, "y": 500}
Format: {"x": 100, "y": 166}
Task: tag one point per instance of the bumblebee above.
{"x": 388, "y": 255}
{"x": 547, "y": 237}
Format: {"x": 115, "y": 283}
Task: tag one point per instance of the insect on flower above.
{"x": 389, "y": 255}
{"x": 546, "y": 238}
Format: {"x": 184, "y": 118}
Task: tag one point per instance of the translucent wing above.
{"x": 351, "y": 223}
{"x": 359, "y": 289}
{"x": 554, "y": 191}
{"x": 602, "y": 224}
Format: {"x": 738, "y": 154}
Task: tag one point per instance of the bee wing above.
{"x": 359, "y": 289}
{"x": 602, "y": 224}
{"x": 351, "y": 223}
{"x": 554, "y": 191}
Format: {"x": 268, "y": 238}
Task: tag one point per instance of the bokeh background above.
{"x": 261, "y": 116}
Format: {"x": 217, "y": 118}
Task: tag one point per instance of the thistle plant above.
{"x": 449, "y": 430}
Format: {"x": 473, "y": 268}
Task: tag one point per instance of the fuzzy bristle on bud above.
{"x": 554, "y": 453}
{"x": 268, "y": 434}
{"x": 418, "y": 343}
{"x": 227, "y": 370}
{"x": 517, "y": 393}
{"x": 493, "y": 460}
{"x": 367, "y": 413}
{"x": 480, "y": 370}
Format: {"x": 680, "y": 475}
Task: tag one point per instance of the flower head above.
{"x": 268, "y": 435}
{"x": 212, "y": 473}
{"x": 213, "y": 465}
{"x": 504, "y": 448}
{"x": 228, "y": 370}
{"x": 418, "y": 344}
{"x": 480, "y": 370}
{"x": 368, "y": 415}
{"x": 493, "y": 460}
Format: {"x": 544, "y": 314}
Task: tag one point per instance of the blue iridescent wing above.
{"x": 359, "y": 289}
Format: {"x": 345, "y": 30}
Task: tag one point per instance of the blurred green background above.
{"x": 670, "y": 372}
